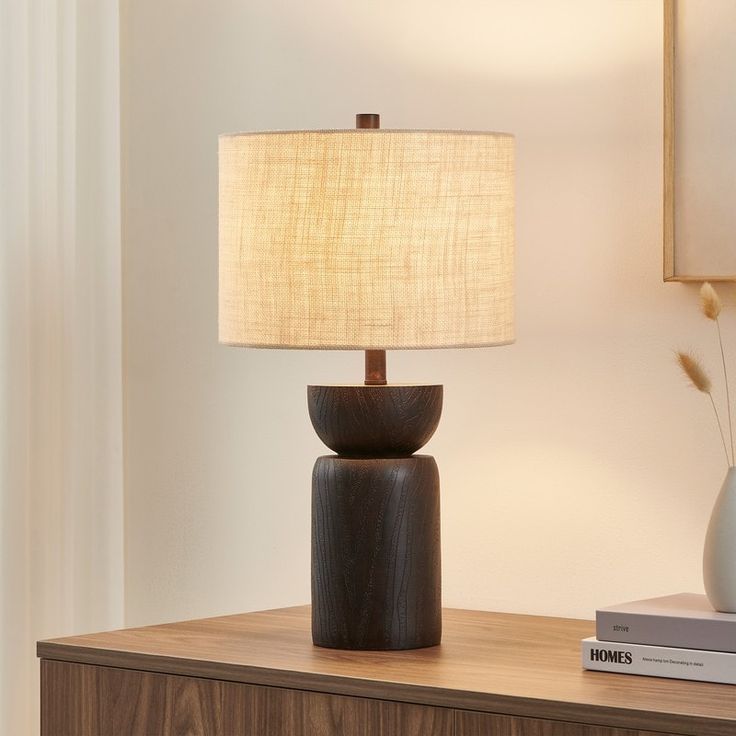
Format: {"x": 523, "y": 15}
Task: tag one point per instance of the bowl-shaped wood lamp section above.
{"x": 375, "y": 421}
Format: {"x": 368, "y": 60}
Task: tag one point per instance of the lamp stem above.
{"x": 367, "y": 120}
{"x": 375, "y": 360}
{"x": 375, "y": 368}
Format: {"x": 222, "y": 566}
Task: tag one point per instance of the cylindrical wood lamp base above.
{"x": 376, "y": 553}
{"x": 375, "y": 518}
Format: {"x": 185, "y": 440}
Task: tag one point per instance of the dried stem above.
{"x": 728, "y": 395}
{"x": 720, "y": 428}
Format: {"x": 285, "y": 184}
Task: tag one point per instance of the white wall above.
{"x": 577, "y": 469}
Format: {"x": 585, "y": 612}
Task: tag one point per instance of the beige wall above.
{"x": 577, "y": 469}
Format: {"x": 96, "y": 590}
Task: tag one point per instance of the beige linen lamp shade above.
{"x": 366, "y": 239}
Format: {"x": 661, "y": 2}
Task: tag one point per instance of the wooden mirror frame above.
{"x": 670, "y": 273}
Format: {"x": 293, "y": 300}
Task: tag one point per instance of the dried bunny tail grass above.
{"x": 710, "y": 301}
{"x": 692, "y": 368}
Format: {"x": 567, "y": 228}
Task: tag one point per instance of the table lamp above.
{"x": 369, "y": 239}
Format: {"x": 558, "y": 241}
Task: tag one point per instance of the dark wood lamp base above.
{"x": 375, "y": 518}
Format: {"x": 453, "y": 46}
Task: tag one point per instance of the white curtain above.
{"x": 61, "y": 498}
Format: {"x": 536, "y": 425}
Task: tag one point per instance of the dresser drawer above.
{"x": 86, "y": 700}
{"x": 485, "y": 724}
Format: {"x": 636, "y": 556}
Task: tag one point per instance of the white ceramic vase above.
{"x": 719, "y": 555}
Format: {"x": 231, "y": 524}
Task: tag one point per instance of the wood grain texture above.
{"x": 483, "y": 724}
{"x": 498, "y": 663}
{"x": 69, "y": 704}
{"x": 375, "y": 421}
{"x": 85, "y": 700}
{"x": 376, "y": 553}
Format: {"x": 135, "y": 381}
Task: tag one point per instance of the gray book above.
{"x": 685, "y": 620}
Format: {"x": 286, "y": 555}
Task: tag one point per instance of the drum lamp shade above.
{"x": 366, "y": 239}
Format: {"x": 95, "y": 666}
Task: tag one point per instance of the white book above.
{"x": 643, "y": 659}
{"x": 684, "y": 620}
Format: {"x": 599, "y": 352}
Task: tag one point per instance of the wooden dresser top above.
{"x": 493, "y": 662}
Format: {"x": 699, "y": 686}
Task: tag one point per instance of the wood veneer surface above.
{"x": 85, "y": 700}
{"x": 500, "y": 663}
{"x": 484, "y": 724}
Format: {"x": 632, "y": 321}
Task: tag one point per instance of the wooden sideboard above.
{"x": 258, "y": 674}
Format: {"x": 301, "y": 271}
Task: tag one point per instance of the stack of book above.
{"x": 678, "y": 636}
